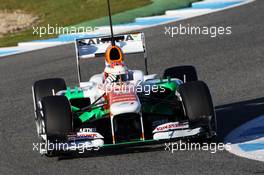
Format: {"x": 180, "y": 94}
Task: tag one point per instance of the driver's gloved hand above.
{"x": 111, "y": 78}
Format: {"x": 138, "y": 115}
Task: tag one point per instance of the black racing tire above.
{"x": 41, "y": 89}
{"x": 58, "y": 121}
{"x": 44, "y": 88}
{"x": 57, "y": 116}
{"x": 198, "y": 105}
{"x": 189, "y": 72}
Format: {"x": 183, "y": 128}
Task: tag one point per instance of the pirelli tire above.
{"x": 185, "y": 73}
{"x": 43, "y": 88}
{"x": 46, "y": 87}
{"x": 198, "y": 106}
{"x": 58, "y": 120}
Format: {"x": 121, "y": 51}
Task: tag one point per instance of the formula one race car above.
{"x": 121, "y": 106}
{"x": 114, "y": 107}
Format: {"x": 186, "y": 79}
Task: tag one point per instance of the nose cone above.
{"x": 125, "y": 107}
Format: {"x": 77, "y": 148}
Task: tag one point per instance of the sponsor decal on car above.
{"x": 87, "y": 129}
{"x": 129, "y": 37}
{"x": 122, "y": 97}
{"x": 85, "y": 133}
{"x": 171, "y": 126}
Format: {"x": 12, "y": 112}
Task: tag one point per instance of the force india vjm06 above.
{"x": 110, "y": 110}
{"x": 113, "y": 107}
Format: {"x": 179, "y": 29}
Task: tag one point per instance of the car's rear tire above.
{"x": 57, "y": 117}
{"x": 198, "y": 105}
{"x": 43, "y": 88}
{"x": 184, "y": 73}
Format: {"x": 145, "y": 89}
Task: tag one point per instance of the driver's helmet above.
{"x": 116, "y": 73}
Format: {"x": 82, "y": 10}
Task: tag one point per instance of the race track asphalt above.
{"x": 231, "y": 65}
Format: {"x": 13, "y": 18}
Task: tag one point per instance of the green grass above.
{"x": 82, "y": 13}
{"x": 62, "y": 13}
{"x": 158, "y": 7}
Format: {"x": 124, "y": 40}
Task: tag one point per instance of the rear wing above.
{"x": 133, "y": 43}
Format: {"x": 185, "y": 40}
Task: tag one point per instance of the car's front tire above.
{"x": 198, "y": 105}
{"x": 57, "y": 115}
{"x": 43, "y": 88}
